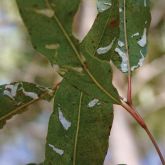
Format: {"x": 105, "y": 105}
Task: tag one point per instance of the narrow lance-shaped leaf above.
{"x": 75, "y": 63}
{"x": 102, "y": 39}
{"x": 134, "y": 21}
{"x": 41, "y": 19}
{"x": 78, "y": 128}
{"x": 134, "y": 25}
{"x": 18, "y": 95}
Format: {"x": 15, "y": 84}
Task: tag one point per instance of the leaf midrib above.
{"x": 126, "y": 39}
{"x": 80, "y": 59}
{"x": 77, "y": 130}
{"x": 20, "y": 108}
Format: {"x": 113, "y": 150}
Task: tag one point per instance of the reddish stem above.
{"x": 140, "y": 120}
{"x": 156, "y": 146}
{"x": 129, "y": 91}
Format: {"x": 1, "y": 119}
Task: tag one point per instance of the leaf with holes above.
{"x": 48, "y": 24}
{"x": 134, "y": 21}
{"x": 134, "y": 25}
{"x": 44, "y": 20}
{"x": 18, "y": 95}
{"x": 78, "y": 128}
{"x": 101, "y": 40}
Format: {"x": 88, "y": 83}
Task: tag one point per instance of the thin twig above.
{"x": 141, "y": 122}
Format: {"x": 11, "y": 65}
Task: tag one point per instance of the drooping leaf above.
{"x": 78, "y": 128}
{"x": 82, "y": 72}
{"x": 42, "y": 18}
{"x": 18, "y": 95}
{"x": 68, "y": 56}
{"x": 134, "y": 25}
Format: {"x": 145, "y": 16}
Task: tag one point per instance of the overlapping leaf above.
{"x": 16, "y": 96}
{"x": 102, "y": 39}
{"x": 47, "y": 23}
{"x": 134, "y": 25}
{"x": 82, "y": 72}
{"x": 134, "y": 21}
{"x": 78, "y": 128}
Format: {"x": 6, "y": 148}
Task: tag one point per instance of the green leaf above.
{"x": 101, "y": 40}
{"x": 95, "y": 81}
{"x": 69, "y": 57}
{"x": 78, "y": 128}
{"x": 42, "y": 21}
{"x": 82, "y": 137}
{"x": 18, "y": 95}
{"x": 134, "y": 25}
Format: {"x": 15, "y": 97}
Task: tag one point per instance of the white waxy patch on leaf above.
{"x": 143, "y": 41}
{"x": 145, "y": 3}
{"x": 120, "y": 43}
{"x": 141, "y": 60}
{"x": 135, "y": 34}
{"x": 104, "y": 50}
{"x": 57, "y": 150}
{"x": 125, "y": 99}
{"x": 124, "y": 63}
{"x": 8, "y": 93}
{"x": 46, "y": 12}
{"x": 65, "y": 123}
{"x": 11, "y": 90}
{"x": 30, "y": 94}
{"x": 120, "y": 9}
{"x": 140, "y": 63}
{"x": 52, "y": 46}
{"x": 93, "y": 103}
{"x": 103, "y": 5}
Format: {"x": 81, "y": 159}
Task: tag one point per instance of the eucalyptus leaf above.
{"x": 94, "y": 82}
{"x": 41, "y": 18}
{"x": 102, "y": 38}
{"x": 18, "y": 95}
{"x": 78, "y": 132}
{"x": 70, "y": 56}
{"x": 134, "y": 24}
{"x": 78, "y": 128}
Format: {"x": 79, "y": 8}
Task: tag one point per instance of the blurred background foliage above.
{"x": 22, "y": 140}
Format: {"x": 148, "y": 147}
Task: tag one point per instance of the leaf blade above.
{"x": 46, "y": 35}
{"x": 18, "y": 95}
{"x": 102, "y": 37}
{"x": 81, "y": 58}
{"x": 90, "y": 123}
{"x": 134, "y": 24}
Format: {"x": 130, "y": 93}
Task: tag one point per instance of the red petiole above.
{"x": 129, "y": 107}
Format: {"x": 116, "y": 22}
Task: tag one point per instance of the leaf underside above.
{"x": 18, "y": 95}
